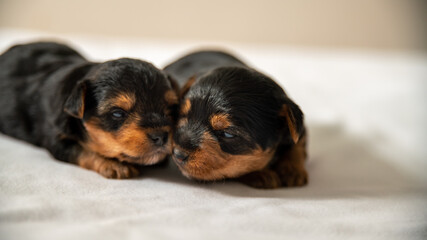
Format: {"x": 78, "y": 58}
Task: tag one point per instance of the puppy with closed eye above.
{"x": 235, "y": 122}
{"x": 107, "y": 117}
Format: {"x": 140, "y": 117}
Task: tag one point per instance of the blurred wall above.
{"x": 373, "y": 24}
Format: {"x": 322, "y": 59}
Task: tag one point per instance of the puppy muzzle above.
{"x": 180, "y": 156}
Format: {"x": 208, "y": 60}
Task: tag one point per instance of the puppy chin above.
{"x": 150, "y": 158}
{"x": 201, "y": 177}
{"x": 198, "y": 174}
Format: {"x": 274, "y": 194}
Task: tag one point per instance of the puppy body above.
{"x": 101, "y": 116}
{"x": 235, "y": 122}
{"x": 199, "y": 63}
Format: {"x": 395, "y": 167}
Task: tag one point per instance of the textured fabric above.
{"x": 366, "y": 115}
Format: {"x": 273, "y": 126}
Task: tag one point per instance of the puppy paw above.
{"x": 264, "y": 179}
{"x": 113, "y": 169}
{"x": 293, "y": 177}
{"x": 106, "y": 167}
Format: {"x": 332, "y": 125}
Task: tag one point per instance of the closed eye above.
{"x": 223, "y": 134}
{"x": 228, "y": 135}
{"x": 118, "y": 113}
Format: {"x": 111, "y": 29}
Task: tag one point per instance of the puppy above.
{"x": 101, "y": 116}
{"x": 236, "y": 122}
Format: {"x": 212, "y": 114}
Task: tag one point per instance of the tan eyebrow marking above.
{"x": 124, "y": 100}
{"x": 186, "y": 106}
{"x": 170, "y": 97}
{"x": 220, "y": 121}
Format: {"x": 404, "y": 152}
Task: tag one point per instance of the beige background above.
{"x": 396, "y": 25}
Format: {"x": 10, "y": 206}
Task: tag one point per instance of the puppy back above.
{"x": 200, "y": 62}
{"x": 27, "y": 59}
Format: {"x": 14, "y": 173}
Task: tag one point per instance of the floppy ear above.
{"x": 75, "y": 103}
{"x": 173, "y": 83}
{"x": 293, "y": 117}
{"x": 187, "y": 86}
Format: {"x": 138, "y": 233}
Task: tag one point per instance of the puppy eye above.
{"x": 118, "y": 114}
{"x": 227, "y": 135}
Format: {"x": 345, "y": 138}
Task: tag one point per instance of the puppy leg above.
{"x": 264, "y": 179}
{"x": 106, "y": 167}
{"x": 291, "y": 165}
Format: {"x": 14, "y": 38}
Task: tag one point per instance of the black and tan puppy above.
{"x": 235, "y": 122}
{"x": 102, "y": 116}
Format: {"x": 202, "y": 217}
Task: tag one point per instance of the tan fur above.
{"x": 124, "y": 101}
{"x": 185, "y": 107}
{"x": 290, "y": 120}
{"x": 81, "y": 110}
{"x": 187, "y": 86}
{"x": 220, "y": 121}
{"x": 82, "y": 107}
{"x": 170, "y": 97}
{"x": 291, "y": 166}
{"x": 265, "y": 178}
{"x": 129, "y": 144}
{"x": 211, "y": 163}
{"x": 106, "y": 167}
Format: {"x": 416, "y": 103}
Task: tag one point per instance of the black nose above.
{"x": 158, "y": 138}
{"x": 180, "y": 155}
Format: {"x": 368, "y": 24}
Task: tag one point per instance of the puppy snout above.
{"x": 180, "y": 155}
{"x": 187, "y": 138}
{"x": 159, "y": 138}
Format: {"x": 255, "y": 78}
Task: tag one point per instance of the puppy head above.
{"x": 231, "y": 122}
{"x": 126, "y": 107}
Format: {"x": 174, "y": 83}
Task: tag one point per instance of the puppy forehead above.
{"x": 130, "y": 75}
{"x": 220, "y": 121}
{"x": 138, "y": 101}
{"x": 255, "y": 118}
{"x": 124, "y": 100}
{"x": 201, "y": 110}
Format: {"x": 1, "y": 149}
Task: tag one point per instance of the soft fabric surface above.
{"x": 366, "y": 114}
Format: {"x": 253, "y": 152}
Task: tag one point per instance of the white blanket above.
{"x": 366, "y": 115}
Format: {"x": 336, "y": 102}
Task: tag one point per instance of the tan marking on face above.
{"x": 170, "y": 97}
{"x": 124, "y": 101}
{"x": 220, "y": 121}
{"x": 185, "y": 107}
{"x": 290, "y": 120}
{"x": 209, "y": 162}
{"x": 129, "y": 144}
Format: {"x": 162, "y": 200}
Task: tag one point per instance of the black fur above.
{"x": 41, "y": 89}
{"x": 198, "y": 63}
{"x": 218, "y": 83}
{"x": 226, "y": 85}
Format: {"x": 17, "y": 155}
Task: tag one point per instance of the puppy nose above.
{"x": 180, "y": 155}
{"x": 159, "y": 138}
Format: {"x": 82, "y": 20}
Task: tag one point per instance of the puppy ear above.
{"x": 173, "y": 83}
{"x": 75, "y": 103}
{"x": 293, "y": 117}
{"x": 187, "y": 86}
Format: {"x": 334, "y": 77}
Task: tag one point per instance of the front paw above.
{"x": 293, "y": 177}
{"x": 108, "y": 168}
{"x": 264, "y": 179}
{"x": 116, "y": 170}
